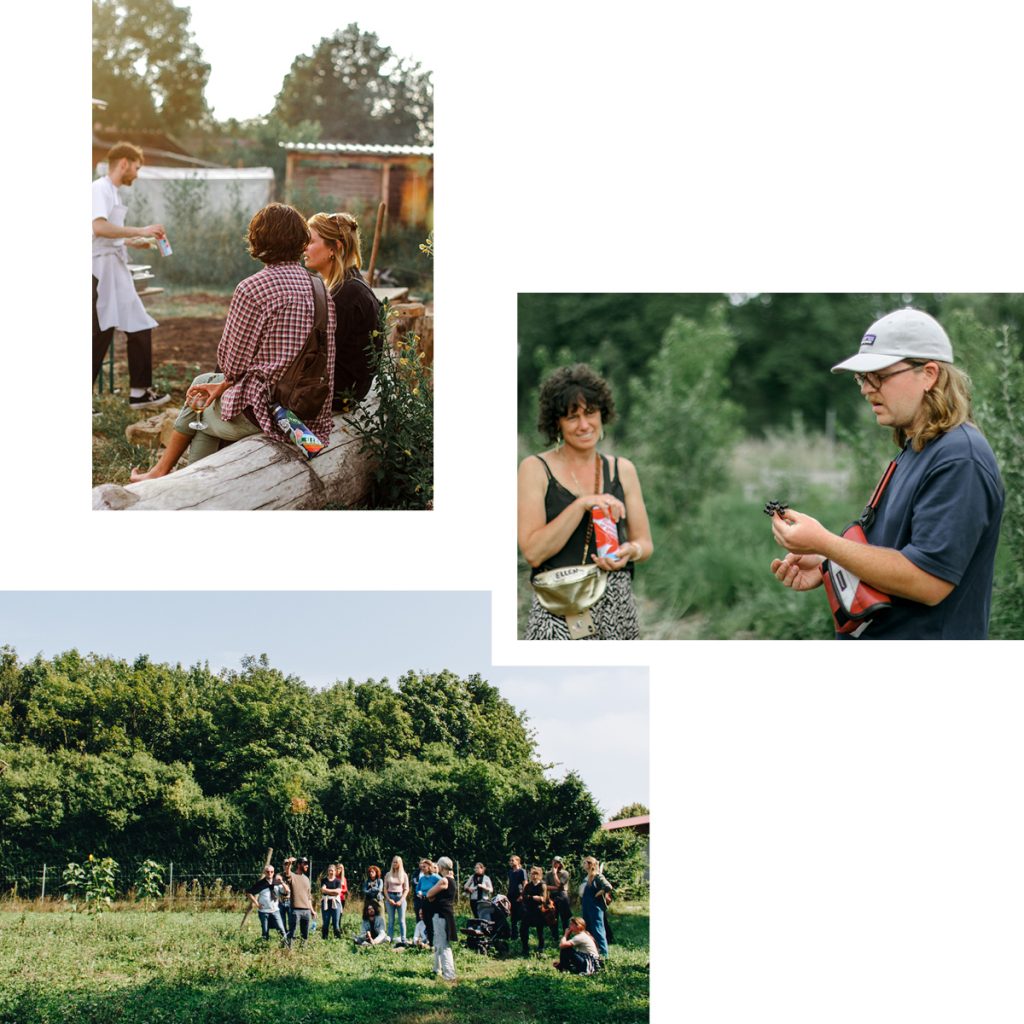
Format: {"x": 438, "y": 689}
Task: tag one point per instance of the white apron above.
{"x": 118, "y": 303}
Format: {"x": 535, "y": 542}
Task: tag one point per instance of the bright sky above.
{"x": 581, "y": 716}
{"x": 250, "y": 56}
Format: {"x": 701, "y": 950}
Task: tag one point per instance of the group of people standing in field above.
{"x": 540, "y": 901}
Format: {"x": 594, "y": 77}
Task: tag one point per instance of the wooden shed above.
{"x": 364, "y": 175}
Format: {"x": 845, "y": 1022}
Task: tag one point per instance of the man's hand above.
{"x": 202, "y": 396}
{"x": 798, "y": 572}
{"x": 800, "y": 534}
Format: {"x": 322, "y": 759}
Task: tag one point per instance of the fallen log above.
{"x": 258, "y": 472}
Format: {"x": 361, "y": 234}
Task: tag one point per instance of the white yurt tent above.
{"x": 220, "y": 189}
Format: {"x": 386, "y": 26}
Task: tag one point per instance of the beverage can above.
{"x": 164, "y": 246}
{"x": 606, "y": 534}
{"x": 292, "y": 427}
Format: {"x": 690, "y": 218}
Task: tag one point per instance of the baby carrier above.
{"x": 490, "y": 930}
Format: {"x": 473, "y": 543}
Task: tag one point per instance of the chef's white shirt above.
{"x": 118, "y": 303}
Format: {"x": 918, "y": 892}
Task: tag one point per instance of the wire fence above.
{"x": 179, "y": 884}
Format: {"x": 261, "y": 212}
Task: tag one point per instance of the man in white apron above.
{"x": 115, "y": 302}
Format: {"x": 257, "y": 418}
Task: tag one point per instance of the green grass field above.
{"x": 153, "y": 967}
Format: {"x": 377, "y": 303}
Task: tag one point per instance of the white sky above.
{"x": 250, "y": 55}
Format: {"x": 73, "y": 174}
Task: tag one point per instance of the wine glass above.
{"x": 197, "y": 423}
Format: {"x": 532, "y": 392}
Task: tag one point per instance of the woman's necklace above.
{"x": 580, "y": 490}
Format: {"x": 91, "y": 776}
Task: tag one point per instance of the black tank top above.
{"x": 558, "y": 498}
{"x": 444, "y": 902}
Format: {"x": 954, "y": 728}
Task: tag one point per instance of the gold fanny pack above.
{"x": 570, "y": 592}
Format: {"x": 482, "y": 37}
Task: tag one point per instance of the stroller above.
{"x": 490, "y": 931}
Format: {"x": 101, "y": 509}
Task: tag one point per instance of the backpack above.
{"x": 303, "y": 386}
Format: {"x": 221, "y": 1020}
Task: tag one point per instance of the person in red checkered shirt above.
{"x": 270, "y": 317}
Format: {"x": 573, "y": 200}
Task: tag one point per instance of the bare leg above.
{"x": 168, "y": 458}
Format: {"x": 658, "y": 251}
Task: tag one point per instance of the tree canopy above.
{"x": 146, "y": 65}
{"x": 136, "y": 759}
{"x": 358, "y": 90}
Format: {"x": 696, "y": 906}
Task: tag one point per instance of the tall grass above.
{"x": 139, "y": 967}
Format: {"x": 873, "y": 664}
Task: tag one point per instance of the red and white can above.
{"x": 606, "y": 533}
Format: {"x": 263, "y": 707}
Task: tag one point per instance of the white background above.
{"x": 837, "y": 829}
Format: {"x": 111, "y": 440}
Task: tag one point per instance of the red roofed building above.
{"x": 641, "y": 824}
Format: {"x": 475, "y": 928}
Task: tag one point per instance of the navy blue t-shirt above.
{"x": 942, "y": 510}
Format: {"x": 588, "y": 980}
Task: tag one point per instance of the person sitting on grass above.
{"x": 371, "y": 931}
{"x": 577, "y": 951}
{"x": 268, "y": 322}
{"x": 419, "y": 935}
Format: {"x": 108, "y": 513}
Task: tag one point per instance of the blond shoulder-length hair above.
{"x": 947, "y": 404}
{"x": 340, "y": 232}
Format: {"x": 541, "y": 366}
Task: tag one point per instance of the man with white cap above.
{"x": 933, "y": 532}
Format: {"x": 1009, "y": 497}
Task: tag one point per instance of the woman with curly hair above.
{"x": 559, "y": 493}
{"x": 373, "y": 889}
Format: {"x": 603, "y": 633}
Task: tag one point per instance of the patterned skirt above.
{"x": 614, "y": 615}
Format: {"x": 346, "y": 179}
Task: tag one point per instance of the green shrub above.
{"x": 90, "y": 885}
{"x": 681, "y": 442}
{"x": 209, "y": 246}
{"x": 149, "y": 880}
{"x": 399, "y": 434}
{"x": 994, "y": 358}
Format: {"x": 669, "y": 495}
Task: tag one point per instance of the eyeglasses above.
{"x": 875, "y": 380}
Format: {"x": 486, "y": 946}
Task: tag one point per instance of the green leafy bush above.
{"x": 149, "y": 880}
{"x": 209, "y": 245}
{"x": 399, "y": 433}
{"x": 90, "y": 885}
{"x": 994, "y": 358}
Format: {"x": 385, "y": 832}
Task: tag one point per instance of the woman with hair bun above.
{"x": 559, "y": 491}
{"x": 333, "y": 253}
{"x": 442, "y": 898}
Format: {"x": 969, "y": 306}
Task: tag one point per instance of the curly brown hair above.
{"x": 277, "y": 234}
{"x": 565, "y": 389}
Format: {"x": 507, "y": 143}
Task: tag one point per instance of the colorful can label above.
{"x": 292, "y": 427}
{"x": 164, "y": 246}
{"x": 606, "y": 534}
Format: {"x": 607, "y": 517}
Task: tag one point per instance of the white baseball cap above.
{"x": 904, "y": 334}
